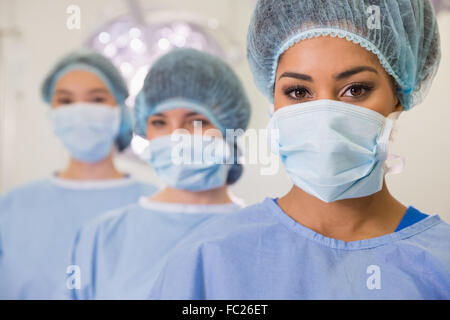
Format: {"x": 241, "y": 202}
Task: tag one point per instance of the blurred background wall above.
{"x": 34, "y": 34}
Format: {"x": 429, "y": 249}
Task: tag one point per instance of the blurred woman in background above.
{"x": 38, "y": 221}
{"x": 198, "y": 94}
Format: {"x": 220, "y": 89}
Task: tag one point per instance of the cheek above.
{"x": 383, "y": 101}
{"x": 279, "y": 99}
{"x": 111, "y": 101}
{"x": 55, "y": 104}
{"x": 155, "y": 132}
{"x": 58, "y": 101}
{"x": 213, "y": 132}
{"x": 152, "y": 134}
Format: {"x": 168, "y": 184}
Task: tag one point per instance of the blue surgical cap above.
{"x": 85, "y": 59}
{"x": 405, "y": 38}
{"x": 187, "y": 78}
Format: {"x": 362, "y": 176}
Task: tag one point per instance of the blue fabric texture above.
{"x": 403, "y": 34}
{"x": 262, "y": 253}
{"x": 121, "y": 253}
{"x": 38, "y": 224}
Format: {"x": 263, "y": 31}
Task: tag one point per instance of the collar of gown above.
{"x": 145, "y": 203}
{"x": 390, "y": 238}
{"x": 91, "y": 184}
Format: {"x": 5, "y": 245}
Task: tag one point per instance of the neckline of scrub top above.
{"x": 146, "y": 203}
{"x": 91, "y": 184}
{"x": 411, "y": 216}
{"x": 300, "y": 229}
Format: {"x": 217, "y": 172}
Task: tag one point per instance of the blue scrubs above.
{"x": 262, "y": 253}
{"x": 38, "y": 224}
{"x": 120, "y": 253}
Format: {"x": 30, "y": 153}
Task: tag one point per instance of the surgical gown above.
{"x": 262, "y": 253}
{"x": 120, "y": 254}
{"x": 38, "y": 224}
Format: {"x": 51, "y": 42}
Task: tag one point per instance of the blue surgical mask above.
{"x": 189, "y": 162}
{"x": 330, "y": 149}
{"x": 87, "y": 130}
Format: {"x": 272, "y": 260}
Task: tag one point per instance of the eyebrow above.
{"x": 62, "y": 91}
{"x": 159, "y": 115}
{"x": 98, "y": 90}
{"x": 340, "y": 76}
{"x": 353, "y": 71}
{"x": 186, "y": 116}
{"x": 296, "y": 75}
{"x": 190, "y": 114}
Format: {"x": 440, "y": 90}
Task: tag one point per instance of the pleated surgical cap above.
{"x": 188, "y": 78}
{"x": 403, "y": 34}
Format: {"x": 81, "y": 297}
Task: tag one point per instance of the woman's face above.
{"x": 166, "y": 122}
{"x": 334, "y": 69}
{"x": 81, "y": 86}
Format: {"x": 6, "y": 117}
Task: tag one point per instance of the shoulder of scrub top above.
{"x": 107, "y": 220}
{"x": 84, "y": 248}
{"x": 112, "y": 223}
{"x": 234, "y": 231}
{"x": 226, "y": 226}
{"x": 18, "y": 195}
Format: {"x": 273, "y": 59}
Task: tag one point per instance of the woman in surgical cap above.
{"x": 38, "y": 221}
{"x": 338, "y": 74}
{"x": 189, "y": 101}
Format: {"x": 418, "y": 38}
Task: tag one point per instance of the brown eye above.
{"x": 64, "y": 101}
{"x": 158, "y": 123}
{"x": 203, "y": 122}
{"x": 298, "y": 93}
{"x": 355, "y": 91}
{"x": 358, "y": 91}
{"x": 99, "y": 100}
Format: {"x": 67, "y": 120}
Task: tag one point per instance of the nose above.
{"x": 177, "y": 124}
{"x": 326, "y": 93}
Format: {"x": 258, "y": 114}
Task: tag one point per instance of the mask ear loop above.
{"x": 273, "y": 133}
{"x": 271, "y": 110}
{"x": 394, "y": 168}
{"x": 399, "y": 166}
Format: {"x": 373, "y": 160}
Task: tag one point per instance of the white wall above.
{"x": 29, "y": 150}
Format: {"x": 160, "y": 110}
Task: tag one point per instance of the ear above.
{"x": 398, "y": 106}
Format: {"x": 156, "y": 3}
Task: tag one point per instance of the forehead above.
{"x": 80, "y": 79}
{"x": 326, "y": 54}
